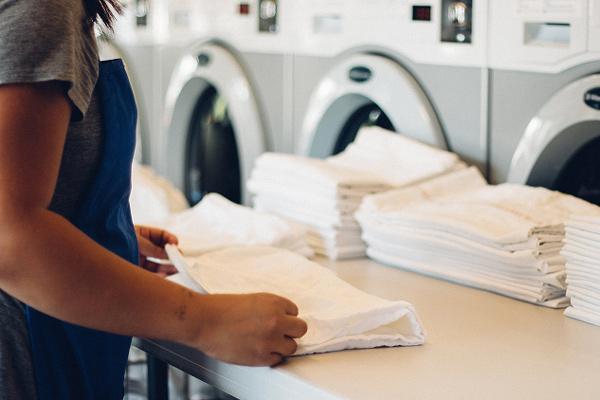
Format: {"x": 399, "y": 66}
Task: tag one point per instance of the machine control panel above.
{"x": 543, "y": 35}
{"x": 438, "y": 32}
{"x": 457, "y": 21}
{"x": 267, "y": 16}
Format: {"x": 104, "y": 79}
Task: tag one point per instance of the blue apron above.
{"x": 72, "y": 362}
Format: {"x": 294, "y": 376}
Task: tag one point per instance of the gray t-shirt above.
{"x": 49, "y": 40}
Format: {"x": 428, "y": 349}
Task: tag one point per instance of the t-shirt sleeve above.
{"x": 49, "y": 40}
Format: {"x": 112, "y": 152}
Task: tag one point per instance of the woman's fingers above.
{"x": 167, "y": 270}
{"x": 273, "y": 359}
{"x": 289, "y": 307}
{"x": 158, "y": 236}
{"x": 287, "y": 347}
{"x": 149, "y": 249}
{"x": 295, "y": 327}
{"x": 170, "y": 238}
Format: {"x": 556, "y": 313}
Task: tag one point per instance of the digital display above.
{"x": 421, "y": 13}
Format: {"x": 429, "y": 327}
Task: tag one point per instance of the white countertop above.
{"x": 479, "y": 346}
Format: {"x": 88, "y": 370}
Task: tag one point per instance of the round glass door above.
{"x": 367, "y": 115}
{"x": 580, "y": 176}
{"x": 212, "y": 159}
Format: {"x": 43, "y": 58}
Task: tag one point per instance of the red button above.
{"x": 244, "y": 8}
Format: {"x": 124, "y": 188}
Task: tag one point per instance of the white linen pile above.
{"x": 216, "y": 223}
{"x": 505, "y": 239}
{"x": 582, "y": 252}
{"x": 320, "y": 195}
{"x": 395, "y": 159}
{"x": 324, "y": 194}
{"x": 153, "y": 198}
{"x": 212, "y": 224}
{"x": 338, "y": 315}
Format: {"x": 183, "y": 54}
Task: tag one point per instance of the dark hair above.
{"x": 102, "y": 11}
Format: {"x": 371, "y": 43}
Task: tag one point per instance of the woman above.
{"x": 67, "y": 243}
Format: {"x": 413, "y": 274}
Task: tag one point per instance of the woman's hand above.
{"x": 151, "y": 243}
{"x": 252, "y": 329}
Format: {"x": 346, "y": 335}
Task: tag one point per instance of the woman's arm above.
{"x": 49, "y": 264}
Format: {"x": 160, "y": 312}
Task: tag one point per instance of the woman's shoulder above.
{"x": 43, "y": 40}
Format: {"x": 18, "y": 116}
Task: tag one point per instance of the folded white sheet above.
{"x": 338, "y": 315}
{"x": 471, "y": 252}
{"x": 304, "y": 214}
{"x": 321, "y": 176}
{"x": 395, "y": 158}
{"x": 153, "y": 198}
{"x": 585, "y": 316}
{"x": 542, "y": 294}
{"x": 216, "y": 222}
{"x": 506, "y": 239}
{"x": 582, "y": 253}
{"x": 505, "y": 214}
{"x": 446, "y": 185}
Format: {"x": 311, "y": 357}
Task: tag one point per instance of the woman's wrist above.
{"x": 194, "y": 313}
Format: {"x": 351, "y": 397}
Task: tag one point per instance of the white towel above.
{"x": 506, "y": 238}
{"x": 339, "y": 316}
{"x": 325, "y": 177}
{"x": 543, "y": 295}
{"x": 153, "y": 198}
{"x": 307, "y": 214}
{"x": 216, "y": 222}
{"x": 589, "y": 317}
{"x": 470, "y": 251}
{"x": 397, "y": 159}
{"x": 449, "y": 184}
{"x": 582, "y": 254}
{"x": 503, "y": 214}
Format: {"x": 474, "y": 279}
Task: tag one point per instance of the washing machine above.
{"x": 545, "y": 94}
{"x": 415, "y": 67}
{"x": 226, "y": 96}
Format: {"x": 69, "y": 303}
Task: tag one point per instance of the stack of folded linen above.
{"x": 153, "y": 198}
{"x": 318, "y": 194}
{"x": 324, "y": 194}
{"x": 582, "y": 252}
{"x": 216, "y": 223}
{"x": 338, "y": 315}
{"x": 505, "y": 239}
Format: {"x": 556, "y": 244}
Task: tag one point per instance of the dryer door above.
{"x": 560, "y": 149}
{"x": 108, "y": 50}
{"x": 215, "y": 129}
{"x": 367, "y": 90}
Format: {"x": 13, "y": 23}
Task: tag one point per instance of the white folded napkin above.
{"x": 339, "y": 316}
